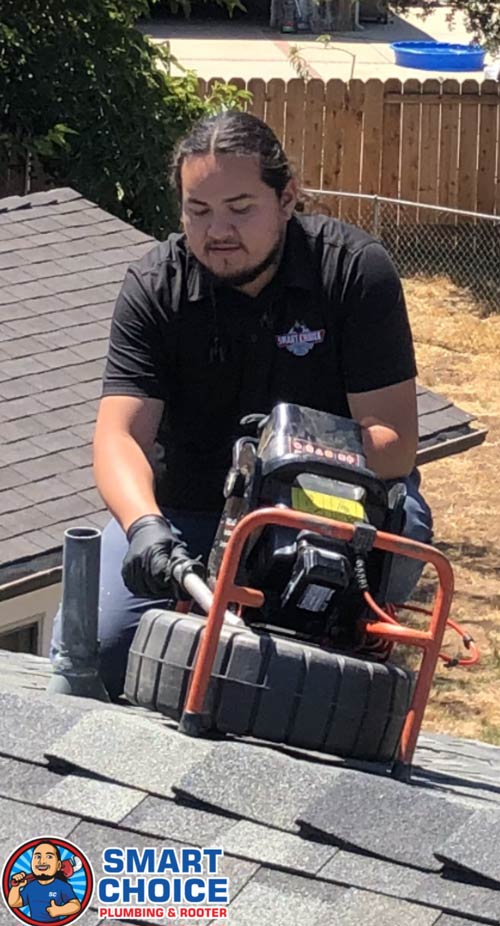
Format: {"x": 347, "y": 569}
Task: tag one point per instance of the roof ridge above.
{"x": 33, "y": 201}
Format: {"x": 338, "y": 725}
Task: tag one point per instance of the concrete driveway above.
{"x": 240, "y": 49}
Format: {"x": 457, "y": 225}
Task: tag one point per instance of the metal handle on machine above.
{"x": 201, "y": 594}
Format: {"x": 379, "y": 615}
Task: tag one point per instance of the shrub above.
{"x": 94, "y": 101}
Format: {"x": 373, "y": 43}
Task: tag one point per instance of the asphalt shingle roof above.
{"x": 62, "y": 262}
{"x": 306, "y": 837}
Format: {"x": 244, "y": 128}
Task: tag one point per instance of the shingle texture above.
{"x": 354, "y": 814}
{"x": 468, "y": 847}
{"x": 62, "y": 262}
{"x": 108, "y": 775}
{"x": 275, "y": 784}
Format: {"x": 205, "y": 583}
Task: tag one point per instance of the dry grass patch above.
{"x": 458, "y": 354}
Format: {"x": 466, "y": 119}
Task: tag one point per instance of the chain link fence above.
{"x": 425, "y": 241}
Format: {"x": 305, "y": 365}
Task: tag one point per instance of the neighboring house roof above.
{"x": 307, "y": 839}
{"x": 62, "y": 262}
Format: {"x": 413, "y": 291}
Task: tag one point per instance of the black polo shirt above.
{"x": 332, "y": 321}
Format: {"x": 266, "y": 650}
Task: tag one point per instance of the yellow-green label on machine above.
{"x": 327, "y": 506}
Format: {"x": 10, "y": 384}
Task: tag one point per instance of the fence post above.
{"x": 376, "y": 217}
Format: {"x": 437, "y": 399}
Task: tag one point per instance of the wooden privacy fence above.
{"x": 427, "y": 142}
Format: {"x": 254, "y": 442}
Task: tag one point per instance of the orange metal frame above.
{"x": 226, "y": 592}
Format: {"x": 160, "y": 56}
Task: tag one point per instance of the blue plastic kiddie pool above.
{"x": 439, "y": 56}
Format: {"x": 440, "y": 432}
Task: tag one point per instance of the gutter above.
{"x": 32, "y": 582}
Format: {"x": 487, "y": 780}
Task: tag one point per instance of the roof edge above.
{"x": 31, "y": 574}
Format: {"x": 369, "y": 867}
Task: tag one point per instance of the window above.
{"x": 21, "y": 639}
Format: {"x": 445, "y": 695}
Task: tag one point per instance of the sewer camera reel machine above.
{"x": 303, "y": 555}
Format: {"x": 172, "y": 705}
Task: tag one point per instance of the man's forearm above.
{"x": 69, "y": 908}
{"x": 124, "y": 478}
{"x": 386, "y": 453}
{"x": 14, "y": 898}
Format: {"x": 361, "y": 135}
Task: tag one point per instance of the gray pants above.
{"x": 120, "y": 611}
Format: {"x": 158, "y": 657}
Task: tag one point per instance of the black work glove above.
{"x": 152, "y": 554}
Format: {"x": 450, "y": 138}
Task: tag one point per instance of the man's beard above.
{"x": 44, "y": 877}
{"x": 251, "y": 273}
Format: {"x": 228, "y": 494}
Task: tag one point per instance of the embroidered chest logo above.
{"x": 300, "y": 340}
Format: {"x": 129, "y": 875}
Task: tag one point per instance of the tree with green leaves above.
{"x": 89, "y": 97}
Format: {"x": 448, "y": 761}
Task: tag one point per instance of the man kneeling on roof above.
{"x": 203, "y": 334}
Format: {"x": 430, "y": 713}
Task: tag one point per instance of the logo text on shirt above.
{"x": 300, "y": 339}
